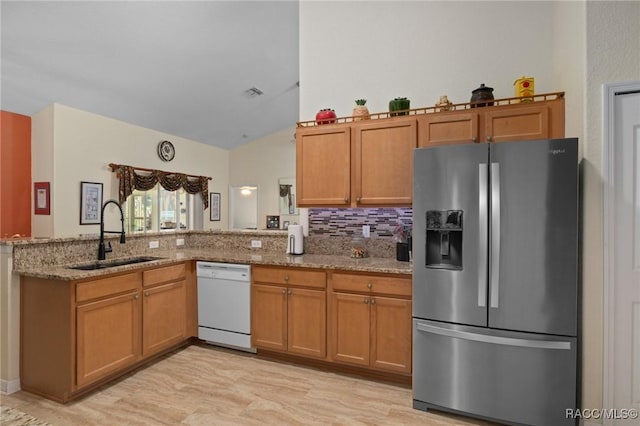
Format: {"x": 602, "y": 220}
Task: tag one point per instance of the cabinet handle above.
{"x": 373, "y": 301}
{"x": 290, "y": 292}
{"x": 284, "y": 291}
{"x": 489, "y": 138}
{"x": 366, "y": 300}
{"x": 369, "y": 285}
{"x": 137, "y": 296}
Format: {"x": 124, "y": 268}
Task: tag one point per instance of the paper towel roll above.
{"x": 295, "y": 240}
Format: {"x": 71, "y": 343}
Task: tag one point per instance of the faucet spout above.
{"x": 102, "y": 249}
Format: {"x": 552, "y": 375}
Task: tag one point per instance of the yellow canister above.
{"x": 524, "y": 86}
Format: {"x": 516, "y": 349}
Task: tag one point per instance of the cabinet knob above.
{"x": 146, "y": 293}
{"x": 286, "y": 277}
{"x": 284, "y": 291}
{"x": 373, "y": 301}
{"x": 366, "y": 300}
{"x": 369, "y": 285}
{"x": 489, "y": 138}
{"x": 474, "y": 139}
{"x": 137, "y": 296}
{"x": 290, "y": 292}
{"x": 357, "y": 199}
{"x": 346, "y": 199}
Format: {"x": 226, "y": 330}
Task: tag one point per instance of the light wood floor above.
{"x": 205, "y": 385}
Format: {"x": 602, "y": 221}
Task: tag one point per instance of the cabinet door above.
{"x": 391, "y": 334}
{"x": 349, "y": 329}
{"x": 307, "y": 322}
{"x": 164, "y": 317}
{"x": 269, "y": 317}
{"x": 511, "y": 123}
{"x": 323, "y": 163}
{"x": 107, "y": 336}
{"x": 383, "y": 166}
{"x": 447, "y": 128}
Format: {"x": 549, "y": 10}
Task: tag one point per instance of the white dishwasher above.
{"x": 224, "y": 304}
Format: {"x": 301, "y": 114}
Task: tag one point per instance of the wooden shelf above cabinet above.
{"x": 436, "y": 109}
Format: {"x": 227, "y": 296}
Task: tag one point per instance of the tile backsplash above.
{"x": 338, "y": 222}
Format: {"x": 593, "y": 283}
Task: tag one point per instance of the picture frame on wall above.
{"x": 90, "y": 203}
{"x": 273, "y": 222}
{"x": 214, "y": 206}
{"x": 42, "y": 198}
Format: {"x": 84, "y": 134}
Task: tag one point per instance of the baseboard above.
{"x": 8, "y": 387}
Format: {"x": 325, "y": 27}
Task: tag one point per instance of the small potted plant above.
{"x": 402, "y": 237}
{"x": 360, "y": 111}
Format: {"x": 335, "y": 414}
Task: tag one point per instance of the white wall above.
{"x": 42, "y": 158}
{"x": 82, "y": 146}
{"x": 420, "y": 50}
{"x": 263, "y": 162}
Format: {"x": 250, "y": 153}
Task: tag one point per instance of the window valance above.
{"x": 131, "y": 179}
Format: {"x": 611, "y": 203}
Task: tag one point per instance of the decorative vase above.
{"x": 399, "y": 104}
{"x": 482, "y": 93}
{"x": 360, "y": 112}
{"x": 444, "y": 104}
{"x": 402, "y": 252}
{"x": 326, "y": 116}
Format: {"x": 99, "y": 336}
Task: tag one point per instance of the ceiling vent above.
{"x": 253, "y": 92}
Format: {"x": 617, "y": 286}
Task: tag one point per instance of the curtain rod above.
{"x": 114, "y": 167}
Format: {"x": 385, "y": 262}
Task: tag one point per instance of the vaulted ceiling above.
{"x": 181, "y": 67}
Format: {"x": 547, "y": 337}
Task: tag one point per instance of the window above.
{"x": 158, "y": 210}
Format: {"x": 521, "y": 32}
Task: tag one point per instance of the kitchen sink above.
{"x": 114, "y": 262}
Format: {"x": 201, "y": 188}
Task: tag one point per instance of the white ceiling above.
{"x": 180, "y": 67}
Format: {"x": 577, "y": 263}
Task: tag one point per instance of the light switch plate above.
{"x": 256, "y": 243}
{"x": 366, "y": 231}
{"x": 154, "y": 244}
{"x": 180, "y": 241}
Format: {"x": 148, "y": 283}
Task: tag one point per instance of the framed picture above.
{"x": 90, "y": 203}
{"x": 273, "y": 222}
{"x": 41, "y": 198}
{"x": 214, "y": 206}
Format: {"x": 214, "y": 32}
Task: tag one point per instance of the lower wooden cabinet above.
{"x": 75, "y": 334}
{"x": 287, "y": 315}
{"x": 370, "y": 321}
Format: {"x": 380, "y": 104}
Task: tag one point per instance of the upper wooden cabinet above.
{"x": 383, "y": 162}
{"x": 501, "y": 123}
{"x": 369, "y": 163}
{"x": 323, "y": 163}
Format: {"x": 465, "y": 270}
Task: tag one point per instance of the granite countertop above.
{"x": 374, "y": 265}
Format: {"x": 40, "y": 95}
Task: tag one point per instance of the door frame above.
{"x": 608, "y": 172}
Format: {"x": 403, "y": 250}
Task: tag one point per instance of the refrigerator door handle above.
{"x": 483, "y": 244}
{"x": 495, "y": 235}
{"x": 496, "y": 340}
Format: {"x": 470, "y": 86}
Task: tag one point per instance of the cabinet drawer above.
{"x": 286, "y": 276}
{"x": 106, "y": 286}
{"x": 382, "y": 284}
{"x": 163, "y": 275}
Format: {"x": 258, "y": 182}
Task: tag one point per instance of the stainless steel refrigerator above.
{"x": 495, "y": 280}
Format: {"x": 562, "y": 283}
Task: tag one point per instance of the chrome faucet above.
{"x": 102, "y": 250}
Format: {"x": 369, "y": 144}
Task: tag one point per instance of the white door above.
{"x": 624, "y": 295}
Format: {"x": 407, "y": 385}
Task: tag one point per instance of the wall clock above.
{"x": 166, "y": 151}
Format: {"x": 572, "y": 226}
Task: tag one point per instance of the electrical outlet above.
{"x": 366, "y": 231}
{"x": 154, "y": 244}
{"x": 256, "y": 244}
{"x": 180, "y": 241}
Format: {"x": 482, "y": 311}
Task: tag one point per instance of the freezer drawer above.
{"x": 511, "y": 377}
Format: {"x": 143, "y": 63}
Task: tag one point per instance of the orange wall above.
{"x": 15, "y": 175}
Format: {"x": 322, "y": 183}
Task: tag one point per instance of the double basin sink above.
{"x": 115, "y": 262}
